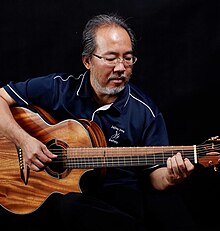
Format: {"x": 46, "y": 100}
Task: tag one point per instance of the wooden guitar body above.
{"x": 23, "y": 197}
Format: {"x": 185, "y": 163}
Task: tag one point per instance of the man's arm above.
{"x": 177, "y": 170}
{"x": 8, "y": 126}
{"x": 36, "y": 154}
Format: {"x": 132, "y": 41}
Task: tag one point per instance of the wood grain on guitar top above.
{"x": 21, "y": 198}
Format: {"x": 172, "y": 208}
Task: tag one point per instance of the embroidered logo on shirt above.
{"x": 116, "y": 135}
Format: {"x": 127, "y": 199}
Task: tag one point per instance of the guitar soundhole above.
{"x": 57, "y": 168}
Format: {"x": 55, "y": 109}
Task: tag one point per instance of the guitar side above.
{"x": 21, "y": 198}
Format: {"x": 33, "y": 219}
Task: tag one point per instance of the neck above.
{"x": 103, "y": 99}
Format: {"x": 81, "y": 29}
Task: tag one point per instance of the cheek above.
{"x": 128, "y": 72}
{"x": 100, "y": 73}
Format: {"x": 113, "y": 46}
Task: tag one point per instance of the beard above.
{"x": 108, "y": 90}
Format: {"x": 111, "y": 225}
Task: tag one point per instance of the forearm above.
{"x": 8, "y": 126}
{"x": 158, "y": 179}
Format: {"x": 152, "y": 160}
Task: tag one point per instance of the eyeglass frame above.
{"x": 119, "y": 60}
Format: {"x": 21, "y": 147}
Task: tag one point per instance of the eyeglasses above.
{"x": 127, "y": 61}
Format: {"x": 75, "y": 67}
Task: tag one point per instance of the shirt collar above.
{"x": 85, "y": 91}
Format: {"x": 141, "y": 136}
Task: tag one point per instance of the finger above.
{"x": 189, "y": 166}
{"x": 42, "y": 158}
{"x": 45, "y": 156}
{"x": 33, "y": 167}
{"x": 181, "y": 168}
{"x": 184, "y": 165}
{"x": 38, "y": 163}
{"x": 48, "y": 153}
{"x": 174, "y": 166}
{"x": 169, "y": 165}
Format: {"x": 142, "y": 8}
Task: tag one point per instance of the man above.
{"x": 126, "y": 115}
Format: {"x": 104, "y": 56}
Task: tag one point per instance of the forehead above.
{"x": 112, "y": 39}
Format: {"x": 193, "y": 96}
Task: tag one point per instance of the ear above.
{"x": 86, "y": 62}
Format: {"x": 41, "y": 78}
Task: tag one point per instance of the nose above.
{"x": 120, "y": 66}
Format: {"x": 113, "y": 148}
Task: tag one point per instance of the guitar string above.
{"x": 132, "y": 159}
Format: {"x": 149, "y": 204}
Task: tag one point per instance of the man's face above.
{"x": 112, "y": 42}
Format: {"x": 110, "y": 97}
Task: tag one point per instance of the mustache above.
{"x": 123, "y": 77}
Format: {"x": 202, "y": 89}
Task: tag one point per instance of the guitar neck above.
{"x": 84, "y": 144}
{"x": 125, "y": 156}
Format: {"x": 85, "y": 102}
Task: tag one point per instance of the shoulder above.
{"x": 63, "y": 77}
{"x": 143, "y": 100}
{"x": 60, "y": 80}
{"x": 60, "y": 77}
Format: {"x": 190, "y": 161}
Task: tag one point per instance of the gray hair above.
{"x": 89, "y": 39}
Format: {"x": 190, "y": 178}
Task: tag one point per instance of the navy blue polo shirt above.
{"x": 132, "y": 120}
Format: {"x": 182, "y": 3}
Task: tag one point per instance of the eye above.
{"x": 110, "y": 59}
{"x": 128, "y": 58}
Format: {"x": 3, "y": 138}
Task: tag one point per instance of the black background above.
{"x": 178, "y": 52}
{"x": 178, "y": 57}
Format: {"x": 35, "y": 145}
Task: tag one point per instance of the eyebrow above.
{"x": 116, "y": 53}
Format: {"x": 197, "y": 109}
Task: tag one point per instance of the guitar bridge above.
{"x": 24, "y": 171}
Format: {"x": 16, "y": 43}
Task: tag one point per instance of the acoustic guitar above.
{"x": 81, "y": 147}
